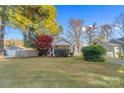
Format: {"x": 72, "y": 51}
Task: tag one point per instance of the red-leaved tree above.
{"x": 43, "y": 44}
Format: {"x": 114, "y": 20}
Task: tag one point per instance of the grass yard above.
{"x": 59, "y": 72}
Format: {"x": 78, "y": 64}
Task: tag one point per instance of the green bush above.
{"x": 61, "y": 52}
{"x": 94, "y": 53}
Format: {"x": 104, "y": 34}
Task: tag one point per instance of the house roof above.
{"x": 114, "y": 44}
{"x": 61, "y": 41}
{"x": 110, "y": 44}
{"x": 119, "y": 41}
{"x": 122, "y": 39}
{"x": 15, "y": 47}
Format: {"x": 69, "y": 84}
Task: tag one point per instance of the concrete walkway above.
{"x": 116, "y": 60}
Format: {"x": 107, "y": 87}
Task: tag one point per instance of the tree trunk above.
{"x": 27, "y": 37}
{"x": 2, "y": 29}
{"x": 90, "y": 39}
{"x": 78, "y": 46}
{"x": 27, "y": 34}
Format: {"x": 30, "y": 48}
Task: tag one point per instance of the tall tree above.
{"x": 119, "y": 22}
{"x": 33, "y": 19}
{"x": 91, "y": 32}
{"x": 43, "y": 20}
{"x": 2, "y": 29}
{"x": 106, "y": 31}
{"x": 75, "y": 32}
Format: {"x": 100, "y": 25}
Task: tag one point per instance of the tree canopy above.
{"x": 39, "y": 18}
{"x": 32, "y": 20}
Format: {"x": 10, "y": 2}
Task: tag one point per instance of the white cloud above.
{"x": 83, "y": 29}
{"x": 116, "y": 28}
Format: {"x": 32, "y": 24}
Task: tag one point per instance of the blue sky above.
{"x": 90, "y": 14}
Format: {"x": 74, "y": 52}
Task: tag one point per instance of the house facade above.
{"x": 61, "y": 43}
{"x": 118, "y": 41}
{"x": 114, "y": 47}
{"x": 64, "y": 43}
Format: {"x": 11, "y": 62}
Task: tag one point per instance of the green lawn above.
{"x": 59, "y": 72}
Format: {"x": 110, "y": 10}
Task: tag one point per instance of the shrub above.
{"x": 43, "y": 44}
{"x": 94, "y": 53}
{"x": 61, "y": 52}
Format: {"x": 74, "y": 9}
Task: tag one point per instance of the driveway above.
{"x": 116, "y": 60}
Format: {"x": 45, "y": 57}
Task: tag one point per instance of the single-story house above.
{"x": 118, "y": 41}
{"x": 115, "y": 47}
{"x": 61, "y": 43}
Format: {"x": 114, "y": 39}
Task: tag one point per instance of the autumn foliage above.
{"x": 43, "y": 44}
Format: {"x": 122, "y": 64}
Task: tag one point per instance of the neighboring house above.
{"x": 118, "y": 41}
{"x": 115, "y": 47}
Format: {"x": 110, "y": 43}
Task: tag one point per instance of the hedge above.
{"x": 94, "y": 53}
